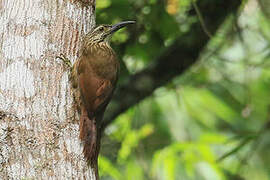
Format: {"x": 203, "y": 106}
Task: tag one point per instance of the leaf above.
{"x": 107, "y": 168}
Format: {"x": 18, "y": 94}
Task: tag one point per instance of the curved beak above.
{"x": 120, "y": 25}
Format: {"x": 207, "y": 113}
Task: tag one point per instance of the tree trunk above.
{"x": 38, "y": 122}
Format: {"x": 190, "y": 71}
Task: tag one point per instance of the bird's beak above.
{"x": 120, "y": 25}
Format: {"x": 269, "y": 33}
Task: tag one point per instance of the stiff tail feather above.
{"x": 90, "y": 138}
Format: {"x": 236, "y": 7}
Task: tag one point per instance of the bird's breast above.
{"x": 103, "y": 61}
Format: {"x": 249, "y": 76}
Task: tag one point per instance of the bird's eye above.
{"x": 101, "y": 28}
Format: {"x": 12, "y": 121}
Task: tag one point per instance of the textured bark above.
{"x": 38, "y": 124}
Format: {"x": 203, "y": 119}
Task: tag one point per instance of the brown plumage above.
{"x": 94, "y": 76}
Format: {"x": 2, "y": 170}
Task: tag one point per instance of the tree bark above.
{"x": 38, "y": 122}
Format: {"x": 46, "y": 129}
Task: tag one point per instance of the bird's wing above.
{"x": 96, "y": 91}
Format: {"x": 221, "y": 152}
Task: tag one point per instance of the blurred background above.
{"x": 212, "y": 121}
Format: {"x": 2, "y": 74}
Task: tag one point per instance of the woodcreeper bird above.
{"x": 93, "y": 77}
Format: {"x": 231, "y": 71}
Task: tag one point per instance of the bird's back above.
{"x": 97, "y": 71}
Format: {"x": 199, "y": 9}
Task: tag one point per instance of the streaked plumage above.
{"x": 94, "y": 76}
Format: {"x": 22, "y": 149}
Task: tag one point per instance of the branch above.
{"x": 174, "y": 61}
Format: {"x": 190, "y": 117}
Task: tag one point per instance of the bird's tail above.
{"x": 90, "y": 137}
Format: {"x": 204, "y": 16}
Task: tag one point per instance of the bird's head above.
{"x": 102, "y": 32}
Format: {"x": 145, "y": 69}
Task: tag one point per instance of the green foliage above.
{"x": 211, "y": 122}
{"x": 106, "y": 167}
{"x": 131, "y": 141}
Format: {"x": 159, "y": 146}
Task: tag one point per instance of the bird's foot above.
{"x": 65, "y": 60}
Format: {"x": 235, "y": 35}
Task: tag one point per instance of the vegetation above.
{"x": 211, "y": 122}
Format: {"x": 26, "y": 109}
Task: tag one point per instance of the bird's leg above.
{"x": 65, "y": 60}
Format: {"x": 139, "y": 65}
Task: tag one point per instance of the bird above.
{"x": 93, "y": 78}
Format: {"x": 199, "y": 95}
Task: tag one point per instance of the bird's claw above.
{"x": 65, "y": 60}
